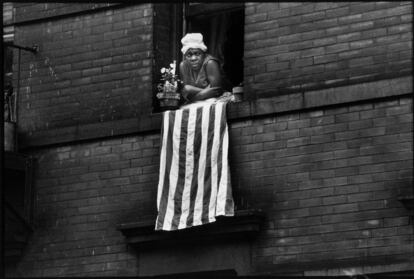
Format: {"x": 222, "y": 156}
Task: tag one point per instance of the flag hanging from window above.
{"x": 194, "y": 180}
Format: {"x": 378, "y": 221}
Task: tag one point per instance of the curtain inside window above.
{"x": 218, "y": 27}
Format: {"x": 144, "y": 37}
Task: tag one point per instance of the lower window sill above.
{"x": 407, "y": 201}
{"x": 245, "y": 224}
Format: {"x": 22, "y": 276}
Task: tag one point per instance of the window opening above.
{"x": 222, "y": 26}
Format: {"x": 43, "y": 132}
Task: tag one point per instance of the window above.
{"x": 8, "y": 37}
{"x": 19, "y": 204}
{"x": 8, "y": 68}
{"x": 222, "y": 25}
{"x": 8, "y": 85}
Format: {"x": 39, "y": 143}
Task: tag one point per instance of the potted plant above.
{"x": 9, "y": 116}
{"x": 238, "y": 93}
{"x": 168, "y": 94}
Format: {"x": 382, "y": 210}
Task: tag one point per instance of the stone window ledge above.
{"x": 151, "y": 123}
{"x": 243, "y": 225}
{"x": 407, "y": 201}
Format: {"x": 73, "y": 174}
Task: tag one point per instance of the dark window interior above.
{"x": 222, "y": 26}
{"x": 8, "y": 60}
{"x": 18, "y": 191}
{"x": 15, "y": 191}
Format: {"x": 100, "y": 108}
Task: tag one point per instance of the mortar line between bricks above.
{"x": 152, "y": 125}
{"x": 327, "y": 106}
{"x": 114, "y": 6}
{"x": 154, "y": 130}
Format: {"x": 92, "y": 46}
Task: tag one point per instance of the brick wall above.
{"x": 83, "y": 192}
{"x": 8, "y": 28}
{"x": 91, "y": 68}
{"x": 327, "y": 178}
{"x": 7, "y": 13}
{"x": 298, "y": 46}
{"x": 30, "y": 11}
{"x": 328, "y": 181}
{"x": 98, "y": 67}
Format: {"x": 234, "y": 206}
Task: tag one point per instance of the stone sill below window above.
{"x": 407, "y": 201}
{"x": 243, "y": 225}
{"x": 151, "y": 123}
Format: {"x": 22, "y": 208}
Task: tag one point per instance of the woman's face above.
{"x": 195, "y": 57}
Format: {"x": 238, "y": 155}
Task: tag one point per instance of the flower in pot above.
{"x": 168, "y": 94}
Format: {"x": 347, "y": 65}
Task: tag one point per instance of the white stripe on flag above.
{"x": 163, "y": 157}
{"x": 198, "y": 207}
{"x": 174, "y": 170}
{"x": 189, "y": 165}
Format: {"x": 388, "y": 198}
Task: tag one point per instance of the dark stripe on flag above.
{"x": 181, "y": 170}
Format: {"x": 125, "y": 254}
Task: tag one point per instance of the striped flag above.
{"x": 194, "y": 180}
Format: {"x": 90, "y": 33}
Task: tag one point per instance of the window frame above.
{"x": 180, "y": 14}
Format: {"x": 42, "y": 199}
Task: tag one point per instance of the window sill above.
{"x": 244, "y": 225}
{"x": 407, "y": 201}
{"x": 151, "y": 123}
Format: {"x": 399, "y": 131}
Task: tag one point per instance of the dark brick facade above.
{"x": 91, "y": 68}
{"x": 328, "y": 180}
{"x": 326, "y": 163}
{"x": 299, "y": 46}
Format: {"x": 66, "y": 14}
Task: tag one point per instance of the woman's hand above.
{"x": 189, "y": 91}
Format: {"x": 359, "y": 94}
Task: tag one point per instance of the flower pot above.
{"x": 238, "y": 93}
{"x": 169, "y": 100}
{"x": 9, "y": 136}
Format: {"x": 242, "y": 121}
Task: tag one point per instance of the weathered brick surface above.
{"x": 90, "y": 68}
{"x": 99, "y": 66}
{"x": 327, "y": 178}
{"x": 30, "y": 11}
{"x": 83, "y": 192}
{"x": 308, "y": 45}
{"x": 7, "y": 13}
{"x": 328, "y": 181}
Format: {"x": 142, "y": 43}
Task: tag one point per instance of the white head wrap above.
{"x": 193, "y": 40}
